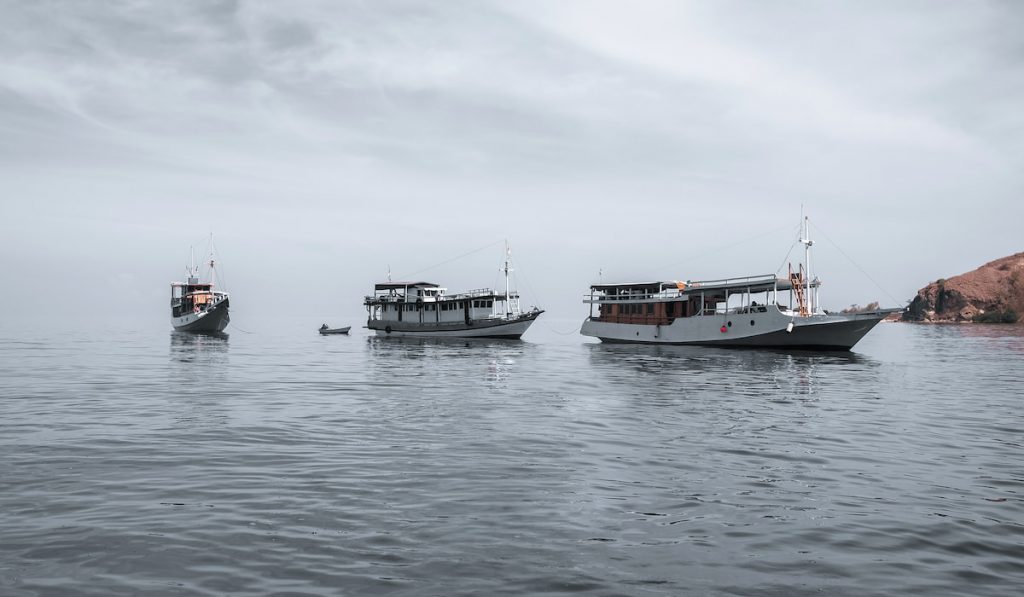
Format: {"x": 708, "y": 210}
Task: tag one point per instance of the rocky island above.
{"x": 993, "y": 293}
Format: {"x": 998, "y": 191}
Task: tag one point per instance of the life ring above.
{"x": 387, "y": 329}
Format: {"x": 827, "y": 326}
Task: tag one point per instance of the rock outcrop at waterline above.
{"x": 993, "y": 293}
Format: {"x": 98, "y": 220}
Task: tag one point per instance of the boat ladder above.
{"x": 797, "y": 280}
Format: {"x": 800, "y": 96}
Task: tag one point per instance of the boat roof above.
{"x": 754, "y": 283}
{"x": 189, "y": 284}
{"x": 645, "y": 286}
{"x": 396, "y": 285}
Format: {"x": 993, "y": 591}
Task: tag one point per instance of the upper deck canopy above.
{"x": 645, "y": 287}
{"x": 750, "y": 283}
{"x": 397, "y": 285}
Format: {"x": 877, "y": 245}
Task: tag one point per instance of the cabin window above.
{"x": 650, "y": 308}
{"x": 490, "y": 304}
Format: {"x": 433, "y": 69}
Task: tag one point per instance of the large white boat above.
{"x": 754, "y": 311}
{"x": 196, "y": 306}
{"x": 424, "y": 309}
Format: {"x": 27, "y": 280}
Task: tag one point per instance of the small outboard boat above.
{"x": 324, "y": 330}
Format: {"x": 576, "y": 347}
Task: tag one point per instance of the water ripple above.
{"x": 291, "y": 464}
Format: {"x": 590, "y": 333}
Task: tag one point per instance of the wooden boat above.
{"x": 326, "y": 331}
{"x": 757, "y": 311}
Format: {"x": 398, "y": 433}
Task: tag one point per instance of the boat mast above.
{"x": 807, "y": 242}
{"x": 212, "y": 272}
{"x": 508, "y": 303}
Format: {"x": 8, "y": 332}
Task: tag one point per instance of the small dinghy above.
{"x": 324, "y": 330}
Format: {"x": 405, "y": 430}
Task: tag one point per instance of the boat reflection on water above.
{"x": 411, "y": 356}
{"x": 693, "y": 370}
{"x": 195, "y": 347}
{"x": 199, "y": 376}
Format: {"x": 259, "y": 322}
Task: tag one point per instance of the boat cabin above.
{"x": 426, "y": 302}
{"x": 662, "y": 302}
{"x": 190, "y": 297}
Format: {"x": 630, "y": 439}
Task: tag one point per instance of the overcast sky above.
{"x": 322, "y": 142}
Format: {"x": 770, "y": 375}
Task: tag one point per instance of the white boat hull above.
{"x": 498, "y": 328}
{"x": 214, "y": 320}
{"x": 770, "y": 328}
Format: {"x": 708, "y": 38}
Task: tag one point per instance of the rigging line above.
{"x": 723, "y": 248}
{"x": 790, "y": 252}
{"x": 843, "y": 253}
{"x": 452, "y": 259}
{"x": 220, "y": 265}
{"x": 520, "y": 276}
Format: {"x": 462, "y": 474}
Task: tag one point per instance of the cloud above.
{"x": 617, "y": 132}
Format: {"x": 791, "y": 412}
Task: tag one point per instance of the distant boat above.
{"x": 196, "y": 306}
{"x": 424, "y": 309}
{"x": 727, "y": 312}
{"x": 325, "y": 331}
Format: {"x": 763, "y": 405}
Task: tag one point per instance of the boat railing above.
{"x": 635, "y": 298}
{"x": 401, "y": 298}
{"x": 690, "y": 288}
{"x": 736, "y": 310}
{"x": 473, "y": 293}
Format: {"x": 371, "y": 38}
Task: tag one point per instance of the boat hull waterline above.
{"x": 769, "y": 329}
{"x": 213, "y": 320}
{"x": 496, "y": 328}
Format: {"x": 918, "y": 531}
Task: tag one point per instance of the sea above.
{"x": 275, "y": 461}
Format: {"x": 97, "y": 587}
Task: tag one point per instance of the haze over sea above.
{"x": 137, "y": 461}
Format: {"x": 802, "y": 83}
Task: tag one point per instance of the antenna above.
{"x": 805, "y": 239}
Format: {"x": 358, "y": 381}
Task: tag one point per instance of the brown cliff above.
{"x": 993, "y": 293}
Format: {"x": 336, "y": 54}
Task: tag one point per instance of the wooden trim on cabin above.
{"x": 654, "y": 313}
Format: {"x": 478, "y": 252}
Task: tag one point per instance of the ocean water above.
{"x": 279, "y": 462}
